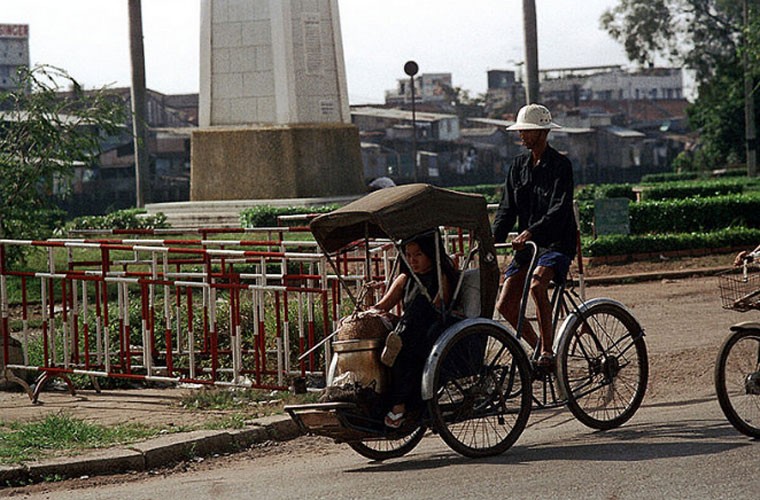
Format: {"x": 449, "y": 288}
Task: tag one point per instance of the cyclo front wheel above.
{"x": 384, "y": 449}
{"x": 603, "y": 366}
{"x": 482, "y": 391}
{"x": 737, "y": 381}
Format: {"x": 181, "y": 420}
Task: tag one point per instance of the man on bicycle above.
{"x": 538, "y": 195}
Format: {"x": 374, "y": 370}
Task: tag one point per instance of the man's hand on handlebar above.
{"x": 740, "y": 257}
{"x": 519, "y": 242}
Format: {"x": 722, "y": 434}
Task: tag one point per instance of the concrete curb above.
{"x": 155, "y": 453}
{"x": 653, "y": 276}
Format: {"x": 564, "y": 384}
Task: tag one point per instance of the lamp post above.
{"x": 411, "y": 69}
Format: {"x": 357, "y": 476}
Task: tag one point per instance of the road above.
{"x": 677, "y": 446}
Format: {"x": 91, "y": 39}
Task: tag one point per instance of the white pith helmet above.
{"x": 533, "y": 117}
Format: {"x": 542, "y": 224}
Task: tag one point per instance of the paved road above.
{"x": 677, "y": 446}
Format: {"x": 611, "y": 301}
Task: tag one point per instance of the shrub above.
{"x": 688, "y": 189}
{"x": 266, "y": 215}
{"x": 619, "y": 244}
{"x": 688, "y": 176}
{"x": 491, "y": 192}
{"x": 133, "y": 218}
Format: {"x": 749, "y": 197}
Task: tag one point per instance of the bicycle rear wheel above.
{"x": 603, "y": 366}
{"x": 482, "y": 392}
{"x": 737, "y": 381}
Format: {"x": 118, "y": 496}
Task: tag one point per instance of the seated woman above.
{"x": 416, "y": 330}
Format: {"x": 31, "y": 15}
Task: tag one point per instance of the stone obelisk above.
{"x": 273, "y": 109}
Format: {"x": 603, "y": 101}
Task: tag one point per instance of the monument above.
{"x": 273, "y": 105}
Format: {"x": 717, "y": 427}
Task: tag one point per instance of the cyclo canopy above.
{"x": 401, "y": 212}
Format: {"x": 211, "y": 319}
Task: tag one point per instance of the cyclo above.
{"x": 477, "y": 382}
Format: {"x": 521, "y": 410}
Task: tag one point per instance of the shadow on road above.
{"x": 639, "y": 442}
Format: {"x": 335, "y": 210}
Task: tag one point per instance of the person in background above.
{"x": 538, "y": 195}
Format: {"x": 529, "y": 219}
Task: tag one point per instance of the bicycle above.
{"x": 602, "y": 362}
{"x": 737, "y": 367}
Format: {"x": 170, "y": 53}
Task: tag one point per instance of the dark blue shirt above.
{"x": 539, "y": 199}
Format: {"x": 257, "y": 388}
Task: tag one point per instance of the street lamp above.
{"x": 411, "y": 69}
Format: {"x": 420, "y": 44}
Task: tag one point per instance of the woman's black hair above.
{"x": 427, "y": 242}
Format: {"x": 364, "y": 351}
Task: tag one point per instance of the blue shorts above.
{"x": 557, "y": 261}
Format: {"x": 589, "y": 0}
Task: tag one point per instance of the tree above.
{"x": 708, "y": 37}
{"x": 47, "y": 129}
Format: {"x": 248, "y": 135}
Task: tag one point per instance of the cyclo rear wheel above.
{"x": 482, "y": 391}
{"x": 384, "y": 449}
{"x": 737, "y": 381}
{"x": 603, "y": 366}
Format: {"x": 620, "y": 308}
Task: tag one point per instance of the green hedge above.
{"x": 266, "y": 216}
{"x": 689, "y": 176}
{"x": 491, "y": 192}
{"x": 688, "y": 189}
{"x": 133, "y": 218}
{"x": 598, "y": 191}
{"x": 631, "y": 244}
{"x": 686, "y": 215}
{"x": 695, "y": 214}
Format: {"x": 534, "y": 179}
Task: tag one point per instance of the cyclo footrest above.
{"x": 326, "y": 419}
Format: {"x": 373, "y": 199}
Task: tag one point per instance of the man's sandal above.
{"x": 394, "y": 420}
{"x": 545, "y": 361}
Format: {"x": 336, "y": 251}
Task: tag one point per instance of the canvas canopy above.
{"x": 405, "y": 211}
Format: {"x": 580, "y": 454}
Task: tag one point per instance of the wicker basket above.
{"x": 740, "y": 292}
{"x": 365, "y": 325}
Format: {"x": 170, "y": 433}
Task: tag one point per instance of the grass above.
{"x": 25, "y": 441}
{"x": 239, "y": 399}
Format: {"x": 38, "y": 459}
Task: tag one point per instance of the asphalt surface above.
{"x": 172, "y": 448}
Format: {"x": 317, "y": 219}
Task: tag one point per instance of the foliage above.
{"x": 266, "y": 215}
{"x": 43, "y": 137}
{"x": 695, "y": 214}
{"x": 619, "y": 244}
{"x": 672, "y": 190}
{"x": 690, "y": 176}
{"x": 134, "y": 218}
{"x": 491, "y": 192}
{"x": 599, "y": 191}
{"x": 705, "y": 36}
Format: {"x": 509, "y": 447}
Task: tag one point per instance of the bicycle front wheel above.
{"x": 603, "y": 366}
{"x": 384, "y": 449}
{"x": 482, "y": 392}
{"x": 737, "y": 381}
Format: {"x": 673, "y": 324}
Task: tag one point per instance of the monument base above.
{"x": 277, "y": 161}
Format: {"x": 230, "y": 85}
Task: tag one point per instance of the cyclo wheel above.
{"x": 603, "y": 366}
{"x": 737, "y": 381}
{"x": 384, "y": 449}
{"x": 482, "y": 391}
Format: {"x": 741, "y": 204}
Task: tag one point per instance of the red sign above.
{"x": 14, "y": 30}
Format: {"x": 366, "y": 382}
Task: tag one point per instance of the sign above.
{"x": 14, "y": 31}
{"x": 611, "y": 216}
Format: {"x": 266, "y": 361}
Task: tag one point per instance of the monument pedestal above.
{"x": 275, "y": 161}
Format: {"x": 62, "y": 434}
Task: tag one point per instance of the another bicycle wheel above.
{"x": 384, "y": 449}
{"x": 482, "y": 391}
{"x": 603, "y": 366}
{"x": 737, "y": 381}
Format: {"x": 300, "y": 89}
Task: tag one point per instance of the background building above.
{"x": 14, "y": 53}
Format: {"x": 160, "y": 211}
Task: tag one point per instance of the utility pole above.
{"x": 531, "y": 51}
{"x": 139, "y": 130}
{"x": 750, "y": 133}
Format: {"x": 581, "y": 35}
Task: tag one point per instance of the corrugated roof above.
{"x": 401, "y": 114}
{"x": 624, "y": 132}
